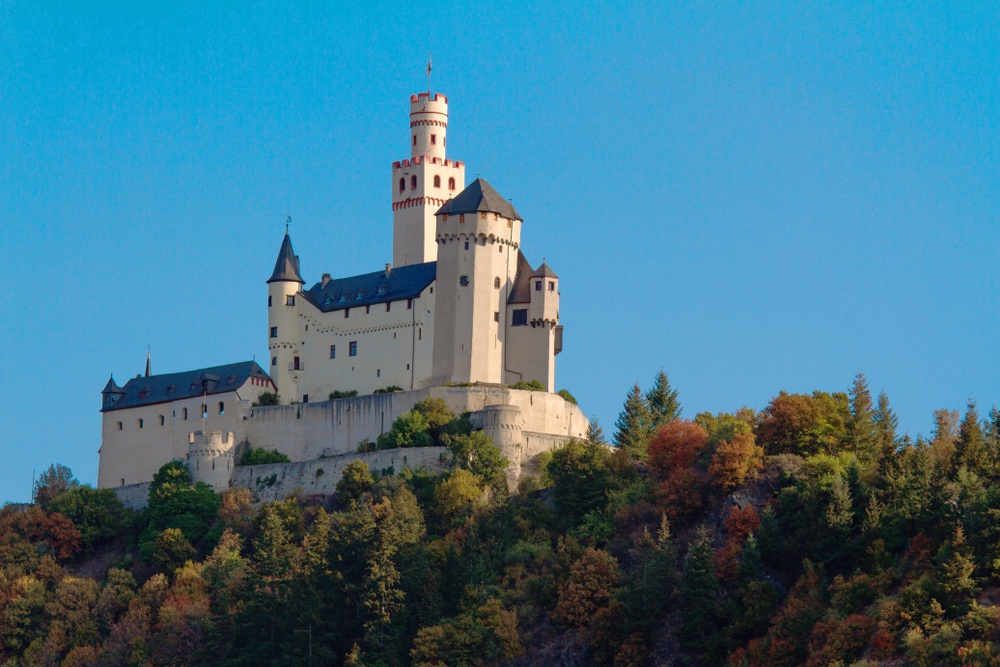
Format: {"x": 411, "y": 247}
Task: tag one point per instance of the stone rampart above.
{"x": 276, "y": 481}
{"x": 133, "y": 496}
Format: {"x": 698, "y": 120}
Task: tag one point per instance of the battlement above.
{"x": 211, "y": 443}
{"x": 413, "y": 162}
{"x": 428, "y": 98}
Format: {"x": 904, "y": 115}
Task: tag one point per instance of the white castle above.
{"x": 459, "y": 314}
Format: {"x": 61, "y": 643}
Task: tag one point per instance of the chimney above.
{"x": 324, "y": 280}
{"x": 388, "y": 269}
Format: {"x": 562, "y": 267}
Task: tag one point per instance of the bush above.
{"x": 533, "y": 385}
{"x": 476, "y": 453}
{"x": 260, "y": 456}
{"x": 409, "y": 430}
{"x": 568, "y": 396}
{"x": 267, "y": 398}
{"x": 356, "y": 480}
{"x": 391, "y": 389}
{"x": 344, "y": 394}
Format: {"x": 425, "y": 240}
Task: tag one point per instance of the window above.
{"x": 274, "y": 332}
{"x": 289, "y": 300}
{"x": 296, "y": 365}
{"x": 463, "y": 281}
{"x": 520, "y": 318}
{"x": 274, "y": 361}
{"x": 231, "y": 380}
{"x": 185, "y": 414}
{"x": 305, "y": 398}
{"x": 119, "y": 426}
{"x": 222, "y": 408}
{"x": 162, "y": 420}
{"x": 552, "y": 286}
{"x": 343, "y": 295}
{"x": 500, "y": 249}
{"x": 381, "y": 289}
{"x": 123, "y": 481}
{"x": 414, "y": 140}
{"x": 353, "y": 348}
{"x": 496, "y": 316}
{"x": 413, "y": 182}
{"x": 204, "y": 411}
{"x": 333, "y": 351}
{"x": 402, "y": 185}
{"x": 387, "y": 304}
{"x": 437, "y": 181}
{"x": 269, "y": 301}
{"x": 538, "y": 285}
{"x": 194, "y": 386}
{"x": 466, "y": 245}
{"x": 378, "y": 373}
{"x": 434, "y": 139}
{"x": 496, "y": 283}
{"x": 144, "y": 393}
{"x": 451, "y": 183}
{"x": 407, "y": 367}
{"x": 347, "y": 313}
{"x": 409, "y": 304}
{"x": 140, "y": 423}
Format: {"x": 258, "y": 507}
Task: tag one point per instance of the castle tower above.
{"x": 421, "y": 184}
{"x": 503, "y": 423}
{"x": 283, "y": 288}
{"x": 543, "y": 315}
{"x": 210, "y": 458}
{"x": 478, "y": 234}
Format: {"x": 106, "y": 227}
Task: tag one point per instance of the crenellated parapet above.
{"x": 210, "y": 458}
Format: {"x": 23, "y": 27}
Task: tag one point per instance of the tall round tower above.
{"x": 210, "y": 458}
{"x": 503, "y": 423}
{"x": 422, "y": 183}
{"x": 283, "y": 288}
{"x": 478, "y": 234}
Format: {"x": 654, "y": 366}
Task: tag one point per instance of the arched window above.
{"x": 414, "y": 140}
{"x": 413, "y": 182}
{"x": 451, "y": 183}
{"x": 437, "y": 181}
{"x": 496, "y": 282}
{"x": 185, "y": 414}
{"x": 402, "y": 184}
{"x": 222, "y": 408}
{"x": 161, "y": 420}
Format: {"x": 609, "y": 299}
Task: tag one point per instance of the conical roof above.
{"x": 287, "y": 266}
{"x": 480, "y": 196}
{"x": 111, "y": 387}
{"x": 544, "y": 271}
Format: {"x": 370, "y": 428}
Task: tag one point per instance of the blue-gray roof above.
{"x": 287, "y": 266}
{"x": 190, "y": 384}
{"x": 406, "y": 282}
{"x": 479, "y": 196}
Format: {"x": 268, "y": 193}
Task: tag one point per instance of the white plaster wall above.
{"x": 531, "y": 354}
{"x": 285, "y": 346}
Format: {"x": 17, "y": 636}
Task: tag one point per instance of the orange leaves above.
{"x": 676, "y": 445}
{"x": 734, "y": 460}
{"x": 591, "y": 586}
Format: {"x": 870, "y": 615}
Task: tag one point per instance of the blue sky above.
{"x": 753, "y": 196}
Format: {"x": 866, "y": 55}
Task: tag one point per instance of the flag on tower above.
{"x": 428, "y": 63}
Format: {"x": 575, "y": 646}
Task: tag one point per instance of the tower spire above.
{"x": 147, "y": 361}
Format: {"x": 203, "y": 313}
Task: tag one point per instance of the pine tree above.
{"x": 886, "y": 423}
{"x": 772, "y": 540}
{"x": 662, "y": 401}
{"x": 750, "y": 563}
{"x": 634, "y": 424}
{"x": 955, "y": 575}
{"x": 698, "y": 593}
{"x": 595, "y": 433}
{"x": 862, "y": 431}
{"x": 970, "y": 446}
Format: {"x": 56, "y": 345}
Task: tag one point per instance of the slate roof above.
{"x": 479, "y": 196}
{"x": 405, "y": 282}
{"x": 189, "y": 384}
{"x": 111, "y": 387}
{"x": 287, "y": 266}
{"x": 544, "y": 271}
{"x": 520, "y": 292}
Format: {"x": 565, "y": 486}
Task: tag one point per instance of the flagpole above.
{"x": 428, "y": 75}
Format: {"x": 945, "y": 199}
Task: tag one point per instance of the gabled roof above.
{"x": 287, "y": 266}
{"x": 520, "y": 292}
{"x": 406, "y": 282}
{"x": 189, "y": 384}
{"x": 479, "y": 196}
{"x": 111, "y": 387}
{"x": 544, "y": 271}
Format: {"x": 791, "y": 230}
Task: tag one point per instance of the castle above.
{"x": 459, "y": 314}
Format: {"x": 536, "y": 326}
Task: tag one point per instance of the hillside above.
{"x": 809, "y": 533}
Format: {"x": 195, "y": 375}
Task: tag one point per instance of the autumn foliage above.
{"x": 676, "y": 445}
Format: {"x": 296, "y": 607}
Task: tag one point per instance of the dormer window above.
{"x": 171, "y": 389}
{"x": 360, "y": 294}
{"x": 231, "y": 380}
{"x": 343, "y": 296}
{"x": 381, "y": 289}
{"x": 144, "y": 393}
{"x": 195, "y": 385}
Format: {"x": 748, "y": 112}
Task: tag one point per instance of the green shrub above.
{"x": 343, "y": 394}
{"x": 568, "y": 396}
{"x": 260, "y": 456}
{"x": 409, "y": 430}
{"x": 357, "y": 479}
{"x": 267, "y": 398}
{"x": 97, "y": 513}
{"x": 391, "y": 389}
{"x": 534, "y": 385}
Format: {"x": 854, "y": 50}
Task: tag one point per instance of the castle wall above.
{"x": 277, "y": 481}
{"x": 133, "y": 496}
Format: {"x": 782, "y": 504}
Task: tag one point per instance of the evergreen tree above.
{"x": 862, "y": 430}
{"x": 698, "y": 593}
{"x": 886, "y": 423}
{"x": 595, "y": 433}
{"x": 750, "y": 561}
{"x": 634, "y": 424}
{"x": 958, "y": 587}
{"x": 970, "y": 446}
{"x": 662, "y": 401}
{"x": 772, "y": 541}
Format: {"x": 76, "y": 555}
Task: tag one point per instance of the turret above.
{"x": 422, "y": 183}
{"x": 283, "y": 288}
{"x": 543, "y": 315}
{"x": 478, "y": 234}
{"x": 210, "y": 458}
{"x": 503, "y": 424}
{"x": 110, "y": 394}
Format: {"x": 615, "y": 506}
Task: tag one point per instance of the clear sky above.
{"x": 753, "y": 196}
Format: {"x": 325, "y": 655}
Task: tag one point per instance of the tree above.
{"x": 172, "y": 550}
{"x": 595, "y": 433}
{"x": 580, "y": 475}
{"x": 97, "y": 513}
{"x": 698, "y": 593}
{"x": 886, "y": 423}
{"x": 970, "y": 445}
{"x": 662, "y": 400}
{"x": 634, "y": 424}
{"x": 861, "y": 431}
{"x": 804, "y": 425}
{"x": 955, "y": 578}
{"x": 436, "y": 414}
{"x": 356, "y": 480}
{"x": 590, "y": 587}
{"x": 458, "y": 495}
{"x": 409, "y": 430}
{"x": 944, "y": 433}
{"x": 676, "y": 445}
{"x": 734, "y": 459}
{"x": 476, "y": 453}
{"x": 54, "y": 481}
